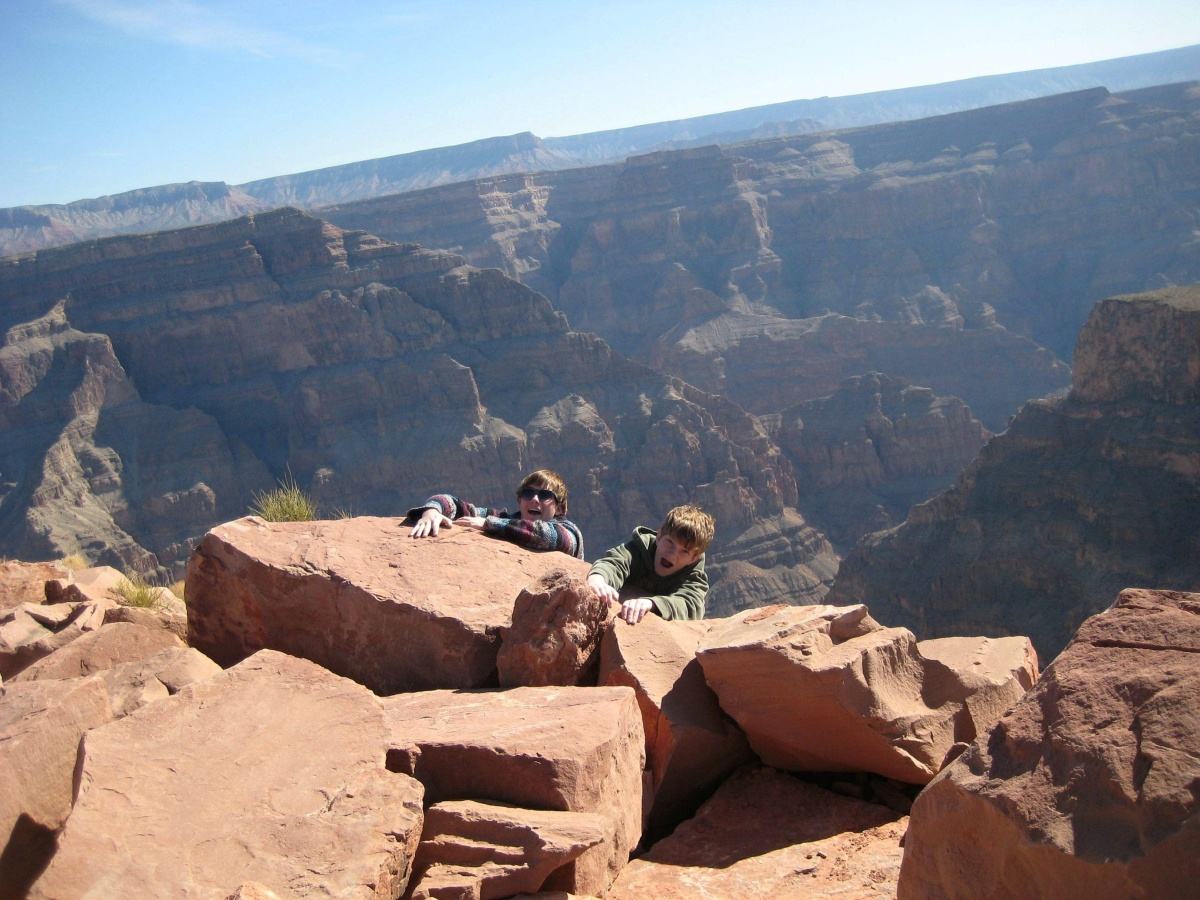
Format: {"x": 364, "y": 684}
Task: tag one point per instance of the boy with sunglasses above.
{"x": 663, "y": 570}
{"x": 539, "y": 523}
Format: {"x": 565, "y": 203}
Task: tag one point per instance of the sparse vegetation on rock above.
{"x": 286, "y": 503}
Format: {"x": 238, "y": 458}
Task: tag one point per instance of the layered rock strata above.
{"x": 1081, "y": 497}
{"x": 1087, "y": 788}
{"x": 930, "y": 250}
{"x": 375, "y": 373}
{"x": 872, "y": 449}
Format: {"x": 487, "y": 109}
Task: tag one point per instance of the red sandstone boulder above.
{"x": 766, "y": 834}
{"x": 270, "y": 772}
{"x": 134, "y": 684}
{"x": 691, "y": 745}
{"x": 1088, "y": 788}
{"x": 549, "y": 748}
{"x": 22, "y": 582}
{"x": 108, "y": 646}
{"x": 40, "y": 726}
{"x": 95, "y": 584}
{"x": 486, "y": 850}
{"x": 825, "y": 688}
{"x": 555, "y": 635}
{"x": 361, "y": 598}
{"x": 31, "y": 631}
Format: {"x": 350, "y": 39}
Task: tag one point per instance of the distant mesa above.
{"x": 142, "y": 210}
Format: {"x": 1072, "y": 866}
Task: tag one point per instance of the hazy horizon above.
{"x": 107, "y": 96}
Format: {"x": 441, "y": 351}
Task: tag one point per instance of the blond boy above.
{"x": 660, "y": 572}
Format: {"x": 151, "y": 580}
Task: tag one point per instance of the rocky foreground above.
{"x": 457, "y": 717}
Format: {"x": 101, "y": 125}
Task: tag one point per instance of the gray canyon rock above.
{"x": 362, "y": 598}
{"x": 1087, "y": 788}
{"x": 375, "y": 373}
{"x": 1081, "y": 496}
{"x": 289, "y": 752}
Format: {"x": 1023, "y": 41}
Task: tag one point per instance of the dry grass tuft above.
{"x": 286, "y": 503}
{"x": 136, "y": 591}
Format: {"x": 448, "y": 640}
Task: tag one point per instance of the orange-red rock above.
{"x": 30, "y": 631}
{"x": 550, "y": 748}
{"x": 270, "y": 772}
{"x": 40, "y": 727}
{"x": 108, "y": 646}
{"x": 555, "y": 635}
{"x": 691, "y": 745}
{"x": 95, "y": 584}
{"x": 1087, "y": 789}
{"x": 22, "y": 582}
{"x": 766, "y": 834}
{"x": 825, "y": 688}
{"x": 497, "y": 851}
{"x": 361, "y": 597}
{"x": 134, "y": 684}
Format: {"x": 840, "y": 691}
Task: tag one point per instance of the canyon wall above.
{"x": 152, "y": 383}
{"x": 1083, "y": 495}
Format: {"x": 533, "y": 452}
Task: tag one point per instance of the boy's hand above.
{"x": 475, "y": 522}
{"x": 633, "y": 611}
{"x": 429, "y": 523}
{"x": 603, "y": 588}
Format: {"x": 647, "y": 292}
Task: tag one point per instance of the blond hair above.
{"x": 547, "y": 479}
{"x": 690, "y": 525}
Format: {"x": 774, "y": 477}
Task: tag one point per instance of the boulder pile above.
{"x": 458, "y": 717}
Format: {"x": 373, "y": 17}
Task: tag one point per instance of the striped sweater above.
{"x": 554, "y": 534}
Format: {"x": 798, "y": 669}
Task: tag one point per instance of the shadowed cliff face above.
{"x": 376, "y": 373}
{"x": 1080, "y": 498}
{"x": 961, "y": 252}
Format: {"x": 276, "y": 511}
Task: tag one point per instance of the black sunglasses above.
{"x": 541, "y": 493}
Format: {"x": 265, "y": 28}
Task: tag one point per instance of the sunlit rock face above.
{"x": 1081, "y": 497}
{"x": 152, "y": 384}
{"x": 960, "y": 253}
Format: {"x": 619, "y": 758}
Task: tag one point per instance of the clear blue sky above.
{"x": 102, "y": 96}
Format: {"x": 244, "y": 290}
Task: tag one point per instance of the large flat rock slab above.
{"x": 691, "y": 745}
{"x": 1087, "y": 788}
{"x": 767, "y": 834}
{"x": 40, "y": 727}
{"x": 107, "y": 647}
{"x": 826, "y": 688}
{"x": 270, "y": 772}
{"x": 361, "y": 598}
{"x": 545, "y": 748}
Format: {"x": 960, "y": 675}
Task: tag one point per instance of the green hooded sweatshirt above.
{"x": 629, "y": 568}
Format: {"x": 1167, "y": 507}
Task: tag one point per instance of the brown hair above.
{"x": 549, "y": 480}
{"x": 691, "y": 526}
